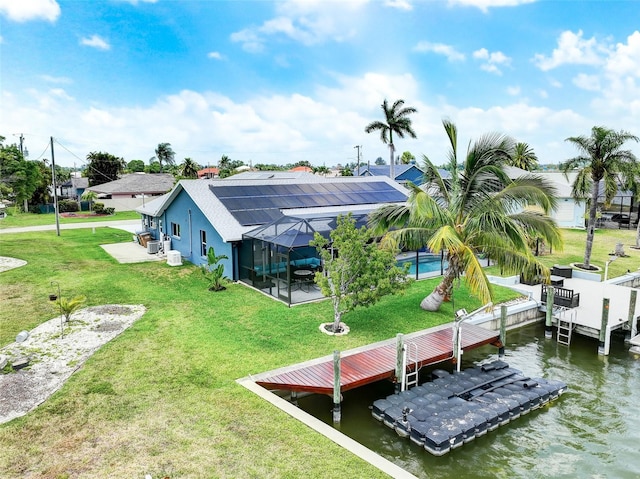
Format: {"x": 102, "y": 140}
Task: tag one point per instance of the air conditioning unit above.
{"x": 174, "y": 258}
{"x": 153, "y": 247}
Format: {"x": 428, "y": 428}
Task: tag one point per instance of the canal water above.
{"x": 591, "y": 431}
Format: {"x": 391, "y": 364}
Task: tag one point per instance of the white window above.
{"x": 175, "y": 230}
{"x": 203, "y": 243}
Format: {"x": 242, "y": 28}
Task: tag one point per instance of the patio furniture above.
{"x": 303, "y": 277}
{"x": 562, "y": 297}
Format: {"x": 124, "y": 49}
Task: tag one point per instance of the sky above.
{"x": 285, "y": 81}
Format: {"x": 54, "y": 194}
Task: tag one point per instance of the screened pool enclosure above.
{"x": 277, "y": 259}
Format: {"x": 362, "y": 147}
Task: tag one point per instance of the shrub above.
{"x": 67, "y": 206}
{"x": 109, "y": 211}
{"x": 98, "y": 208}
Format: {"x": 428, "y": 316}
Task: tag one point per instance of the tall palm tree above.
{"x": 477, "y": 209}
{"x": 189, "y": 168}
{"x": 601, "y": 159}
{"x": 396, "y": 120}
{"x": 165, "y": 155}
{"x": 524, "y": 157}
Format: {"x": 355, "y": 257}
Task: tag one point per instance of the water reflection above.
{"x": 592, "y": 431}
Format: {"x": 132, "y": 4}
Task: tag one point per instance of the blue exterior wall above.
{"x": 183, "y": 211}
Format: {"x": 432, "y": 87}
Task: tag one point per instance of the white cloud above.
{"x": 625, "y": 58}
{"x": 543, "y": 94}
{"x": 400, "y": 4}
{"x": 309, "y": 22}
{"x": 587, "y": 82}
{"x": 214, "y": 55}
{"x": 441, "y": 49}
{"x": 321, "y": 126}
{"x": 485, "y": 5}
{"x": 95, "y": 41}
{"x": 513, "y": 90}
{"x": 59, "y": 80}
{"x": 572, "y": 50}
{"x": 492, "y": 61}
{"x": 25, "y": 10}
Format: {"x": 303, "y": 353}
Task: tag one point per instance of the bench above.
{"x": 562, "y": 297}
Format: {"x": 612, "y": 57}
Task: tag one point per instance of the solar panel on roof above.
{"x": 261, "y": 204}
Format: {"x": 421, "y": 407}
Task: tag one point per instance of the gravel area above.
{"x": 54, "y": 358}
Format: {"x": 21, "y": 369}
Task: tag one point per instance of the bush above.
{"x": 67, "y": 206}
{"x": 98, "y": 208}
{"x": 109, "y": 211}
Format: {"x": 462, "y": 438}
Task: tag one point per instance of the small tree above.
{"x": 357, "y": 270}
{"x": 213, "y": 271}
{"x": 70, "y": 306}
{"x": 89, "y": 196}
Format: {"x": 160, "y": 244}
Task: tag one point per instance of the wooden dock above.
{"x": 374, "y": 362}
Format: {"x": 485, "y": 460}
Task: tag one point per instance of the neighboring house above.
{"x": 208, "y": 173}
{"x": 133, "y": 190}
{"x": 74, "y": 187}
{"x": 262, "y": 225}
{"x": 570, "y": 213}
{"x": 403, "y": 173}
{"x": 304, "y": 169}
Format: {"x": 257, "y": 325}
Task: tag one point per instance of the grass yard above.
{"x": 18, "y": 219}
{"x": 162, "y": 398}
{"x": 604, "y": 242}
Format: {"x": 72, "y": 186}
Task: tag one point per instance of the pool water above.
{"x": 592, "y": 430}
{"x": 426, "y": 264}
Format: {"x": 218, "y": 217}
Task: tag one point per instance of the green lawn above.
{"x": 18, "y": 219}
{"x": 162, "y": 397}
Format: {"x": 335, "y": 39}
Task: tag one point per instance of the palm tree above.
{"x": 165, "y": 154}
{"x": 189, "y": 168}
{"x": 396, "y": 121}
{"x": 479, "y": 209}
{"x": 89, "y": 196}
{"x": 524, "y": 157}
{"x": 602, "y": 159}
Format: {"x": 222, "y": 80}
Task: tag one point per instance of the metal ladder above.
{"x": 565, "y": 318}
{"x": 411, "y": 377}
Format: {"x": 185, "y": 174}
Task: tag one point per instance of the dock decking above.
{"x": 373, "y": 362}
{"x": 587, "y": 317}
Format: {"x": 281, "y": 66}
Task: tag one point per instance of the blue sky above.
{"x": 280, "y": 82}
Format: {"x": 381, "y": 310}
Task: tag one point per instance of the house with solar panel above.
{"x": 263, "y": 222}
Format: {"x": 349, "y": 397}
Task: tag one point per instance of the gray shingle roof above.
{"x": 137, "y": 183}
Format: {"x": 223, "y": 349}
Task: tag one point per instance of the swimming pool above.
{"x": 426, "y": 264}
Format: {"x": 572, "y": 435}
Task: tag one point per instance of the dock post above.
{"x": 548, "y": 334}
{"x": 400, "y": 372}
{"x": 631, "y": 325}
{"x": 337, "y": 397}
{"x": 503, "y": 329}
{"x": 603, "y": 343}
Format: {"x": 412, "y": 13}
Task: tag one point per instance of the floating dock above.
{"x": 454, "y": 409}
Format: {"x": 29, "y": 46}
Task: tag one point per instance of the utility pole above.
{"x": 358, "y": 160}
{"x": 55, "y": 189}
